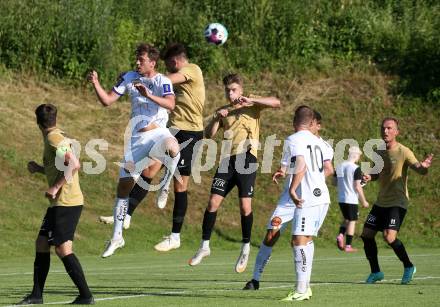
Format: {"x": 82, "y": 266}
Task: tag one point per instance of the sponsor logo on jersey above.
{"x": 317, "y": 192}
{"x": 166, "y": 88}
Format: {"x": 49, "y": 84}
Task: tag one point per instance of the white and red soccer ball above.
{"x": 216, "y": 33}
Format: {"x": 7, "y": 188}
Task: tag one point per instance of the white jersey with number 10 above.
{"x": 312, "y": 189}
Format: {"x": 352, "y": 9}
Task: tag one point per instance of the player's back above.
{"x": 312, "y": 188}
{"x": 345, "y": 173}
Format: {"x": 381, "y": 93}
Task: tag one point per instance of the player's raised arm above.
{"x": 266, "y": 102}
{"x": 422, "y": 167}
{"x": 106, "y": 98}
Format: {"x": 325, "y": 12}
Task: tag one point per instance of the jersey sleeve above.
{"x": 328, "y": 152}
{"x": 287, "y": 155}
{"x": 410, "y": 158}
{"x": 121, "y": 84}
{"x": 189, "y": 72}
{"x": 166, "y": 87}
{"x": 357, "y": 174}
{"x": 59, "y": 143}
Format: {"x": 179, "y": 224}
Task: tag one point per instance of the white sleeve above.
{"x": 166, "y": 87}
{"x": 121, "y": 85}
{"x": 287, "y": 155}
{"x": 327, "y": 153}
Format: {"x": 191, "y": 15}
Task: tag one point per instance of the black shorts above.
{"x": 381, "y": 218}
{"x": 59, "y": 224}
{"x": 349, "y": 211}
{"x": 235, "y": 171}
{"x": 186, "y": 154}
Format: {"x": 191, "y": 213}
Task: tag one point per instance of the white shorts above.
{"x": 143, "y": 147}
{"x": 307, "y": 221}
{"x": 281, "y": 216}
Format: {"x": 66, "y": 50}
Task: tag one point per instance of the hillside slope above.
{"x": 351, "y": 101}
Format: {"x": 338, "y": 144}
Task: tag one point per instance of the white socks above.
{"x": 119, "y": 213}
{"x": 205, "y": 244}
{"x": 175, "y": 236}
{"x": 170, "y": 167}
{"x": 261, "y": 261}
{"x": 301, "y": 266}
{"x": 246, "y": 247}
{"x": 310, "y": 250}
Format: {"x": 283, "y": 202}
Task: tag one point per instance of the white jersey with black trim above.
{"x": 327, "y": 150}
{"x": 147, "y": 110}
{"x": 347, "y": 172}
{"x": 312, "y": 188}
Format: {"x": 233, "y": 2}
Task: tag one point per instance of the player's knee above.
{"x": 389, "y": 238}
{"x": 172, "y": 147}
{"x": 271, "y": 238}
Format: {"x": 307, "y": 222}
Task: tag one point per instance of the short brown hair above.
{"x": 46, "y": 115}
{"x": 303, "y": 115}
{"x": 232, "y": 78}
{"x": 391, "y": 119}
{"x": 151, "y": 51}
{"x": 172, "y": 50}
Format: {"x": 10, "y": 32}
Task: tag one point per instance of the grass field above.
{"x": 153, "y": 279}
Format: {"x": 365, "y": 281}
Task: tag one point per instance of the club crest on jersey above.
{"x": 166, "y": 88}
{"x": 317, "y": 192}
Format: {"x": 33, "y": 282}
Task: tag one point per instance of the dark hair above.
{"x": 232, "y": 78}
{"x": 151, "y": 51}
{"x": 391, "y": 119}
{"x": 317, "y": 116}
{"x": 46, "y": 115}
{"x": 303, "y": 115}
{"x": 172, "y": 50}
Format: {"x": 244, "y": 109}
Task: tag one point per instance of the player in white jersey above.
{"x": 348, "y": 178}
{"x": 151, "y": 96}
{"x": 309, "y": 193}
{"x": 285, "y": 210}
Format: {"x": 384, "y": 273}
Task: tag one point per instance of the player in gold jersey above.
{"x": 391, "y": 205}
{"x": 66, "y": 202}
{"x": 240, "y": 120}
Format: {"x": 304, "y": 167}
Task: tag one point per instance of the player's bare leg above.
{"x": 209, "y": 218}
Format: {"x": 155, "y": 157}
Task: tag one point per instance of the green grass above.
{"x": 154, "y": 279}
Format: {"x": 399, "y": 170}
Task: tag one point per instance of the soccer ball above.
{"x": 216, "y": 33}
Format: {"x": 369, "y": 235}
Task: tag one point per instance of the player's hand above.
{"x": 296, "y": 200}
{"x": 365, "y": 204}
{"x": 33, "y": 167}
{"x": 278, "y": 174}
{"x": 244, "y": 101}
{"x": 428, "y": 161}
{"x": 52, "y": 192}
{"x": 222, "y": 113}
{"x": 142, "y": 89}
{"x": 92, "y": 77}
{"x": 366, "y": 178}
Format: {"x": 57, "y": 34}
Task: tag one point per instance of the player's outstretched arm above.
{"x": 268, "y": 102}
{"x": 422, "y": 167}
{"x": 106, "y": 98}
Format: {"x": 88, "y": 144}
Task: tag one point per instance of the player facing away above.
{"x": 151, "y": 142}
{"x": 187, "y": 120}
{"x": 348, "y": 179}
{"x": 390, "y": 208}
{"x": 310, "y": 195}
{"x": 240, "y": 120}
{"x": 60, "y": 166}
{"x": 285, "y": 209}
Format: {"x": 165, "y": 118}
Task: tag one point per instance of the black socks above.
{"x": 208, "y": 224}
{"x": 137, "y": 194}
{"x": 246, "y": 227}
{"x": 73, "y": 268}
{"x": 179, "y": 211}
{"x": 370, "y": 248}
{"x": 401, "y": 253}
{"x": 41, "y": 269}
